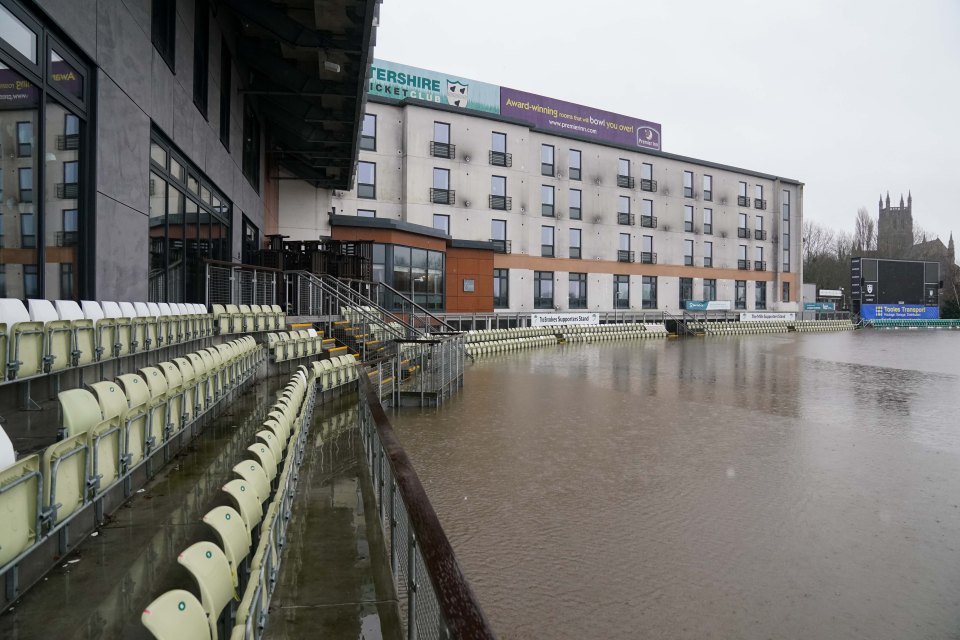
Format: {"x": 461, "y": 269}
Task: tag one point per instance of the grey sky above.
{"x": 852, "y": 98}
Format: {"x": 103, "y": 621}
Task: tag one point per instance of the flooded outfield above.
{"x": 783, "y": 486}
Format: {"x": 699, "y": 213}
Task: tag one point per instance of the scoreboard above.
{"x": 896, "y": 289}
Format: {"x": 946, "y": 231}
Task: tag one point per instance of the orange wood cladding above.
{"x": 389, "y": 236}
{"x": 469, "y": 264}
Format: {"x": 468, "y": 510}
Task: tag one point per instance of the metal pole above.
{"x": 411, "y": 584}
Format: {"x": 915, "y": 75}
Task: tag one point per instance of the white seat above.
{"x": 154, "y": 308}
{"x": 42, "y": 311}
{"x": 91, "y": 310}
{"x": 128, "y": 310}
{"x": 165, "y": 309}
{"x": 7, "y": 455}
{"x": 68, "y": 310}
{"x": 25, "y": 339}
{"x": 111, "y": 310}
{"x": 143, "y": 310}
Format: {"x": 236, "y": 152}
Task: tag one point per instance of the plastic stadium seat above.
{"x": 172, "y": 321}
{"x": 64, "y": 468}
{"x": 138, "y": 327}
{"x": 57, "y": 335}
{"x": 19, "y": 486}
{"x": 202, "y": 380}
{"x": 151, "y": 330}
{"x": 223, "y": 320}
{"x": 138, "y": 439}
{"x": 256, "y": 477}
{"x": 84, "y": 349}
{"x": 25, "y": 340}
{"x": 270, "y": 439}
{"x": 189, "y": 389}
{"x": 99, "y": 414}
{"x": 106, "y": 329}
{"x": 209, "y": 566}
{"x": 266, "y": 459}
{"x": 246, "y": 501}
{"x": 159, "y": 419}
{"x": 237, "y": 319}
{"x": 175, "y": 409}
{"x": 176, "y": 615}
{"x": 234, "y": 536}
{"x": 124, "y": 332}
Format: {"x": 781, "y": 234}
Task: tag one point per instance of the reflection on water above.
{"x": 796, "y": 486}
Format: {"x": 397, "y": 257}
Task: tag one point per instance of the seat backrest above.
{"x": 253, "y": 473}
{"x": 156, "y": 381}
{"x": 186, "y": 369}
{"x": 68, "y": 310}
{"x": 218, "y": 309}
{"x": 111, "y": 310}
{"x": 91, "y": 310}
{"x": 233, "y": 533}
{"x": 19, "y": 484}
{"x": 80, "y": 410}
{"x": 207, "y": 360}
{"x": 7, "y": 455}
{"x": 246, "y": 500}
{"x": 110, "y": 397}
{"x": 135, "y": 389}
{"x": 13, "y": 311}
{"x": 64, "y": 468}
{"x": 173, "y": 375}
{"x": 276, "y": 309}
{"x": 142, "y": 310}
{"x": 42, "y": 311}
{"x": 165, "y": 309}
{"x": 209, "y": 566}
{"x": 199, "y": 367}
{"x": 154, "y": 309}
{"x": 128, "y": 310}
{"x": 266, "y": 458}
{"x": 176, "y": 614}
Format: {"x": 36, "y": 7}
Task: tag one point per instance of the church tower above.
{"x": 895, "y": 227}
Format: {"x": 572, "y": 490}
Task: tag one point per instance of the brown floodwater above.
{"x": 786, "y": 486}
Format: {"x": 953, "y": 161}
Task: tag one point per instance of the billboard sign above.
{"x": 399, "y": 81}
{"x": 898, "y": 312}
{"x": 819, "y": 306}
{"x": 708, "y": 305}
{"x": 560, "y": 117}
{"x": 555, "y": 319}
{"x": 767, "y": 316}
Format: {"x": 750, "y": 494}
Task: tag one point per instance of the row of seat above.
{"x": 740, "y": 328}
{"x": 634, "y": 333}
{"x": 110, "y": 428}
{"x": 631, "y": 328}
{"x": 244, "y": 318}
{"x": 302, "y": 343}
{"x": 511, "y": 344}
{"x": 336, "y": 372}
{"x": 46, "y": 336}
{"x": 261, "y": 499}
{"x": 823, "y": 325}
{"x": 914, "y": 324}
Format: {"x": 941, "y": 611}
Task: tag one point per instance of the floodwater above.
{"x": 784, "y": 486}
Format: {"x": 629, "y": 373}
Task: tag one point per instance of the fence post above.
{"x": 411, "y": 584}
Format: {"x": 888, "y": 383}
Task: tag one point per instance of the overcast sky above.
{"x": 853, "y": 98}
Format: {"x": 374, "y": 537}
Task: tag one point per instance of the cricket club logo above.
{"x": 458, "y": 93}
{"x": 870, "y": 289}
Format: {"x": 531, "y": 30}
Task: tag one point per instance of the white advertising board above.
{"x": 555, "y": 319}
{"x": 766, "y": 316}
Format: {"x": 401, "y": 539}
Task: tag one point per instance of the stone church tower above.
{"x": 895, "y": 227}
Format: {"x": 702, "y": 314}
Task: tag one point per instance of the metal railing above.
{"x": 625, "y": 256}
{"x": 743, "y": 265}
{"x": 231, "y": 283}
{"x": 503, "y": 203}
{"x": 759, "y": 265}
{"x": 743, "y": 232}
{"x": 436, "y": 599}
{"x": 648, "y": 185}
{"x": 443, "y": 150}
{"x": 443, "y": 196}
{"x": 743, "y": 201}
{"x": 626, "y": 218}
{"x": 66, "y": 238}
{"x": 501, "y": 159}
{"x": 627, "y": 182}
{"x": 759, "y": 203}
{"x": 650, "y": 222}
{"x": 501, "y": 246}
{"x": 648, "y": 257}
{"x": 759, "y": 234}
{"x": 68, "y": 190}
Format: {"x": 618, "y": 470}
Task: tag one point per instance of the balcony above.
{"x": 625, "y": 256}
{"x": 627, "y": 182}
{"x": 743, "y": 232}
{"x": 69, "y": 142}
{"x": 501, "y": 203}
{"x": 68, "y": 190}
{"x": 501, "y": 159}
{"x": 759, "y": 203}
{"x": 650, "y": 222}
{"x": 743, "y": 201}
{"x": 648, "y": 185}
{"x": 626, "y": 218}
{"x": 648, "y": 257}
{"x": 759, "y": 265}
{"x": 743, "y": 265}
{"x": 500, "y": 246}
{"x": 443, "y": 196}
{"x": 443, "y": 150}
{"x": 66, "y": 238}
{"x": 759, "y": 234}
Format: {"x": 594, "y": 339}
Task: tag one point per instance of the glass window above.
{"x": 24, "y": 139}
{"x": 647, "y": 208}
{"x": 18, "y": 35}
{"x": 624, "y": 242}
{"x": 742, "y": 252}
{"x": 786, "y": 292}
{"x": 543, "y": 289}
{"x": 649, "y": 292}
{"x": 621, "y": 292}
{"x": 441, "y": 178}
{"x": 648, "y": 244}
{"x": 576, "y": 243}
{"x": 575, "y": 166}
{"x": 709, "y": 289}
{"x": 688, "y": 252}
{"x": 686, "y": 291}
{"x": 546, "y": 159}
{"x": 578, "y": 291}
{"x": 251, "y": 147}
{"x": 201, "y": 54}
{"x": 708, "y": 254}
{"x": 368, "y": 132}
{"x": 760, "y": 295}
{"x": 251, "y": 241}
{"x": 441, "y": 132}
{"x": 498, "y": 186}
{"x": 401, "y": 268}
{"x": 758, "y": 253}
{"x": 743, "y": 220}
{"x": 759, "y": 221}
{"x": 743, "y": 190}
{"x": 366, "y": 180}
{"x": 708, "y": 221}
{"x": 25, "y": 181}
{"x": 31, "y": 281}
{"x": 707, "y": 187}
{"x": 576, "y": 203}
{"x": 366, "y": 213}
{"x": 28, "y": 231}
{"x": 740, "y": 294}
{"x": 688, "y": 218}
{"x": 379, "y": 262}
{"x": 623, "y": 167}
{"x": 546, "y": 241}
{"x": 646, "y": 171}
{"x": 498, "y": 143}
{"x": 163, "y": 30}
{"x": 758, "y": 191}
{"x": 441, "y": 222}
{"x": 501, "y": 288}
{"x": 546, "y": 200}
{"x": 623, "y": 204}
{"x": 688, "y": 184}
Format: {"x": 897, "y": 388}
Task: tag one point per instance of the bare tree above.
{"x": 919, "y": 235}
{"x": 817, "y": 240}
{"x": 865, "y": 232}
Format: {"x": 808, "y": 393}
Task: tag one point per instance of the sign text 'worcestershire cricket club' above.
{"x": 399, "y": 81}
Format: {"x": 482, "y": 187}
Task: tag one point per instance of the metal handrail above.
{"x": 405, "y": 299}
{"x": 342, "y": 292}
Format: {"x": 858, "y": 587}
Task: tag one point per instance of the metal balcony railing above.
{"x": 443, "y": 150}
{"x": 650, "y": 222}
{"x": 759, "y": 204}
{"x": 743, "y": 265}
{"x": 69, "y": 142}
{"x": 626, "y": 182}
{"x": 443, "y": 196}
{"x": 66, "y": 238}
{"x": 648, "y": 257}
{"x": 68, "y": 190}
{"x": 626, "y": 219}
{"x": 743, "y": 232}
{"x": 625, "y": 256}
{"x": 743, "y": 201}
{"x": 501, "y": 159}
{"x": 501, "y": 246}
{"x": 502, "y": 203}
{"x": 648, "y": 185}
{"x": 759, "y": 265}
{"x": 759, "y": 234}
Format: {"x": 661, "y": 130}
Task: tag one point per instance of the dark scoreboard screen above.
{"x": 900, "y": 282}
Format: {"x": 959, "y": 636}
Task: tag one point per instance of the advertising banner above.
{"x": 898, "y": 312}
{"x": 399, "y": 81}
{"x": 819, "y": 306}
{"x": 708, "y": 305}
{"x": 554, "y": 319}
{"x": 16, "y": 92}
{"x": 566, "y": 117}
{"x": 764, "y": 316}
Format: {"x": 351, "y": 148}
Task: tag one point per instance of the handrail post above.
{"x": 411, "y": 584}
